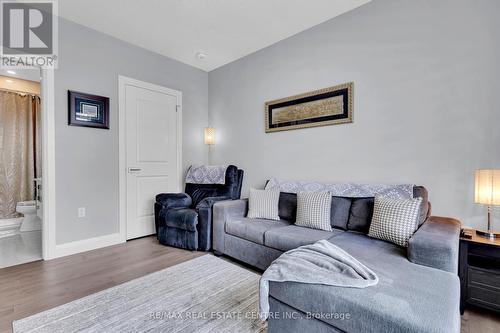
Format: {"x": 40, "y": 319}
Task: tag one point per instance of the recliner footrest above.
{"x": 180, "y": 238}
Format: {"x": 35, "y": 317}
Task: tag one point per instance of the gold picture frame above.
{"x": 328, "y": 106}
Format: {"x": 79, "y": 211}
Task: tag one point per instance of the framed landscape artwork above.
{"x": 322, "y": 107}
{"x": 88, "y": 110}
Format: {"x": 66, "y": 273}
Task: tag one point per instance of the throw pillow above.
{"x": 288, "y": 206}
{"x": 313, "y": 210}
{"x": 340, "y": 212}
{"x": 361, "y": 214}
{"x": 263, "y": 204}
{"x": 395, "y": 220}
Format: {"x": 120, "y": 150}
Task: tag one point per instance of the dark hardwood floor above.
{"x": 34, "y": 287}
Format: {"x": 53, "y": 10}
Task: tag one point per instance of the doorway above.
{"x": 150, "y": 126}
{"x": 21, "y": 211}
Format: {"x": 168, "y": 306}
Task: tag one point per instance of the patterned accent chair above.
{"x": 184, "y": 220}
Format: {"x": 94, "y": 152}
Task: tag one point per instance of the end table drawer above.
{"x": 484, "y": 297}
{"x": 484, "y": 278}
{"x": 480, "y": 250}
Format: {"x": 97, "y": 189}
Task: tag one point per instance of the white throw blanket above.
{"x": 348, "y": 190}
{"x": 318, "y": 263}
{"x": 206, "y": 174}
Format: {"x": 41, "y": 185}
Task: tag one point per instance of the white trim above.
{"x": 84, "y": 245}
{"x": 48, "y": 164}
{"x": 122, "y": 171}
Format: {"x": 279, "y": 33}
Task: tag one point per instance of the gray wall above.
{"x": 426, "y": 107}
{"x": 86, "y": 158}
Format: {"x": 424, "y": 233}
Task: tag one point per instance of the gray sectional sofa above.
{"x": 418, "y": 289}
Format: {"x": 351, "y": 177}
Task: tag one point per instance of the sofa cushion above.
{"x": 291, "y": 237}
{"x": 408, "y": 298}
{"x": 361, "y": 214}
{"x": 340, "y": 212}
{"x": 252, "y": 229}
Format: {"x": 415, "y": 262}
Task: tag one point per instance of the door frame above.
{"x": 48, "y": 164}
{"x": 124, "y": 81}
{"x": 48, "y": 124}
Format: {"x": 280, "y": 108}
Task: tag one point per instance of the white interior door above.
{"x": 152, "y": 164}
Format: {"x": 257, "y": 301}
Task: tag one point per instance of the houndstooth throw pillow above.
{"x": 263, "y": 204}
{"x": 313, "y": 210}
{"x": 395, "y": 220}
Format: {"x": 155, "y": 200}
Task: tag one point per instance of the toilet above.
{"x": 30, "y": 220}
{"x": 10, "y": 226}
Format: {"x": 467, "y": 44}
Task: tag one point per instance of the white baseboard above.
{"x": 84, "y": 245}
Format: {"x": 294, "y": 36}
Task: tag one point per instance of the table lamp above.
{"x": 487, "y": 192}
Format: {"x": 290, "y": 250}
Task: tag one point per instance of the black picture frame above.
{"x": 86, "y": 110}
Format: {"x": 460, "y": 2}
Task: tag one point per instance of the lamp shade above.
{"x": 487, "y": 188}
{"x": 209, "y": 135}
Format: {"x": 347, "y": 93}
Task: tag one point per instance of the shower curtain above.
{"x": 19, "y": 149}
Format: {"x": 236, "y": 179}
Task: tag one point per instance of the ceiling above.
{"x": 224, "y": 30}
{"x": 25, "y": 74}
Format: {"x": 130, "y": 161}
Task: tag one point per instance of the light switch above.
{"x": 81, "y": 212}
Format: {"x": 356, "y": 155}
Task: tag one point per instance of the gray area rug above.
{"x": 205, "y": 294}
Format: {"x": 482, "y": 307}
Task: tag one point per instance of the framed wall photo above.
{"x": 322, "y": 107}
{"x": 88, "y": 110}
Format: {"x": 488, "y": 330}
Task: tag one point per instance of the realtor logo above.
{"x": 29, "y": 33}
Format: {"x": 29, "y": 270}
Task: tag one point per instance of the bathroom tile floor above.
{"x": 20, "y": 248}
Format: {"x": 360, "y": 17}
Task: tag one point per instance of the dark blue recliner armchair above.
{"x": 184, "y": 220}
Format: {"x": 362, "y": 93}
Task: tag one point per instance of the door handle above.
{"x": 134, "y": 169}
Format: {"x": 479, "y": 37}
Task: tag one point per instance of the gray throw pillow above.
{"x": 263, "y": 204}
{"x": 361, "y": 214}
{"x": 313, "y": 210}
{"x": 395, "y": 220}
{"x": 339, "y": 215}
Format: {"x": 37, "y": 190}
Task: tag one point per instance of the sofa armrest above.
{"x": 204, "y": 210}
{"x": 174, "y": 200}
{"x": 223, "y": 211}
{"x": 436, "y": 244}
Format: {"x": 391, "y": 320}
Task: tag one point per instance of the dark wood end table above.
{"x": 479, "y": 271}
